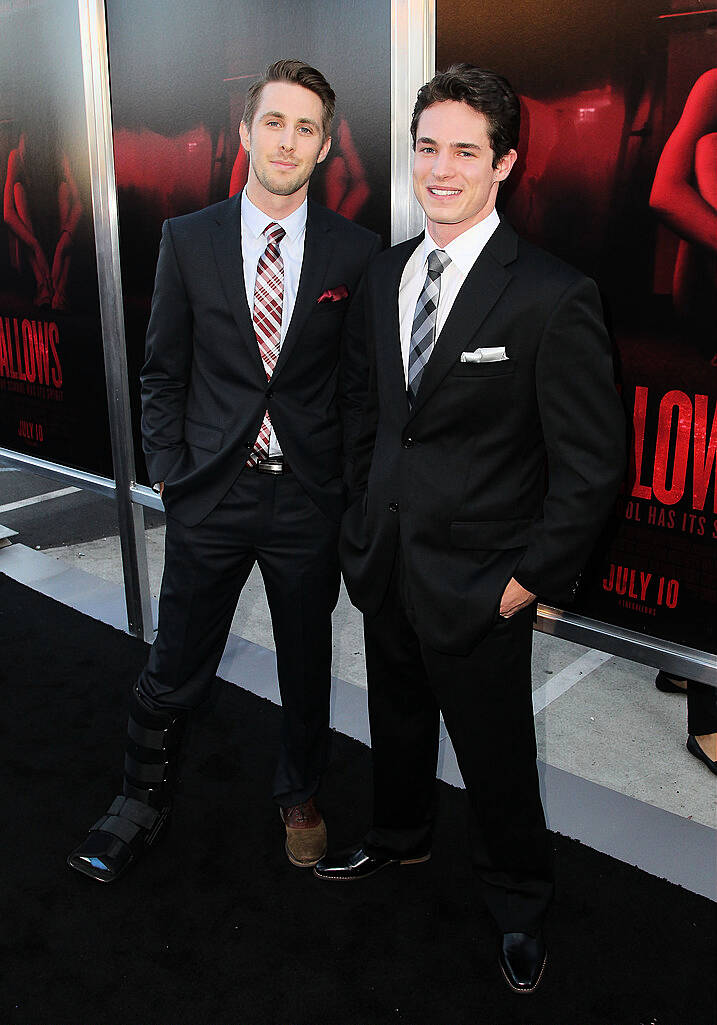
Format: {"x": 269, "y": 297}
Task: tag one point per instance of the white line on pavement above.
{"x": 37, "y": 498}
{"x": 567, "y": 678}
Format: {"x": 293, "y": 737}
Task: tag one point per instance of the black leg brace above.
{"x": 136, "y": 818}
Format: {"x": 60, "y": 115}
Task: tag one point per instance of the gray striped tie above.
{"x": 423, "y": 332}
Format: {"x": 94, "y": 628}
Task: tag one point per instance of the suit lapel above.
{"x": 318, "y": 250}
{"x": 393, "y": 369}
{"x": 479, "y": 293}
{"x": 319, "y": 245}
{"x": 226, "y": 241}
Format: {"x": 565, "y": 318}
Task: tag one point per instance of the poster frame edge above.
{"x": 678, "y": 659}
{"x": 57, "y": 471}
{"x": 413, "y": 62}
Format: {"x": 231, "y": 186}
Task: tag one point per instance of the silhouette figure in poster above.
{"x": 41, "y": 230}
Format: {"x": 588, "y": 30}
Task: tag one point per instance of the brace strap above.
{"x": 121, "y": 828}
{"x": 143, "y": 772}
{"x": 155, "y": 740}
{"x": 126, "y": 817}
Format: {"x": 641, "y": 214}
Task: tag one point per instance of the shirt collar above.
{"x": 255, "y": 220}
{"x": 464, "y": 250}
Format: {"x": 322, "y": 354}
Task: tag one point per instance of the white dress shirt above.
{"x": 253, "y": 244}
{"x": 463, "y": 251}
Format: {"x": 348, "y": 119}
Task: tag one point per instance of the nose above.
{"x": 287, "y": 141}
{"x": 442, "y": 165}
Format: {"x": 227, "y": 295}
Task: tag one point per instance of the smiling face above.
{"x": 285, "y": 142}
{"x": 453, "y": 174}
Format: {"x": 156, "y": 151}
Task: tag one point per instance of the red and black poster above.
{"x": 180, "y": 71}
{"x": 617, "y": 174}
{"x": 52, "y": 381}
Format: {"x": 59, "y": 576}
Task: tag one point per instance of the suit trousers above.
{"x": 270, "y": 520}
{"x": 701, "y": 708}
{"x": 486, "y": 701}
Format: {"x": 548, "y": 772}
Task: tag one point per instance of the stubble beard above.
{"x": 285, "y": 187}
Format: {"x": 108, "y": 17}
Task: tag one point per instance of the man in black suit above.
{"x": 251, "y": 396}
{"x": 491, "y": 451}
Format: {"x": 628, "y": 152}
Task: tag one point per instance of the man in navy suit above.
{"x": 491, "y": 451}
{"x": 251, "y": 396}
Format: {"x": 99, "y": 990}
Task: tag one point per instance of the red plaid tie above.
{"x": 268, "y": 304}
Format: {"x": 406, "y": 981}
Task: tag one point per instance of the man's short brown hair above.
{"x": 298, "y": 73}
{"x": 487, "y": 93}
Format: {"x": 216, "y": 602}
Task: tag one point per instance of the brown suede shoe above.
{"x": 305, "y": 834}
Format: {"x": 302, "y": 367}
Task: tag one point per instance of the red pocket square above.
{"x": 333, "y": 294}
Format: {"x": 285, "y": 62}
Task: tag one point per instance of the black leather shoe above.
{"x": 693, "y": 746}
{"x": 667, "y": 685}
{"x": 522, "y": 961}
{"x": 357, "y": 864}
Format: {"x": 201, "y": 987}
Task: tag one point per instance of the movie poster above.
{"x": 617, "y": 174}
{"x": 179, "y": 73}
{"x": 53, "y": 401}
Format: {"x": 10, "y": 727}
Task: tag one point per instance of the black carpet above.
{"x": 217, "y": 928}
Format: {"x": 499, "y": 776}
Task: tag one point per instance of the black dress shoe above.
{"x": 693, "y": 746}
{"x": 522, "y": 961}
{"x": 357, "y": 864}
{"x": 667, "y": 685}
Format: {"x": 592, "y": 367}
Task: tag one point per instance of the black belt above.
{"x": 274, "y": 464}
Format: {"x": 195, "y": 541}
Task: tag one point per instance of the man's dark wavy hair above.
{"x": 487, "y": 93}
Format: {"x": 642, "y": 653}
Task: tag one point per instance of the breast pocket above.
{"x": 333, "y": 304}
{"x": 500, "y": 368}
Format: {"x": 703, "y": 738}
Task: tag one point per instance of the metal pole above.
{"x": 95, "y": 67}
{"x": 413, "y": 62}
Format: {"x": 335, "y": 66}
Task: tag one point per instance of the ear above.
{"x": 325, "y": 147}
{"x": 245, "y": 136}
{"x": 504, "y": 166}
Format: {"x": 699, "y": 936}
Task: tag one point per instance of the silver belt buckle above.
{"x": 272, "y": 465}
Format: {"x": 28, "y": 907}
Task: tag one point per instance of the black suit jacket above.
{"x": 503, "y": 468}
{"x": 204, "y": 388}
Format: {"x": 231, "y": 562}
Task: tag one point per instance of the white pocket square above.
{"x": 489, "y": 355}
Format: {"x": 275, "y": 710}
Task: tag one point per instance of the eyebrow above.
{"x": 453, "y": 145}
{"x": 299, "y": 121}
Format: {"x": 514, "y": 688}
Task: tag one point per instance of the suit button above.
{"x": 393, "y": 507}
{"x": 270, "y": 393}
{"x": 248, "y": 446}
{"x": 408, "y": 443}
